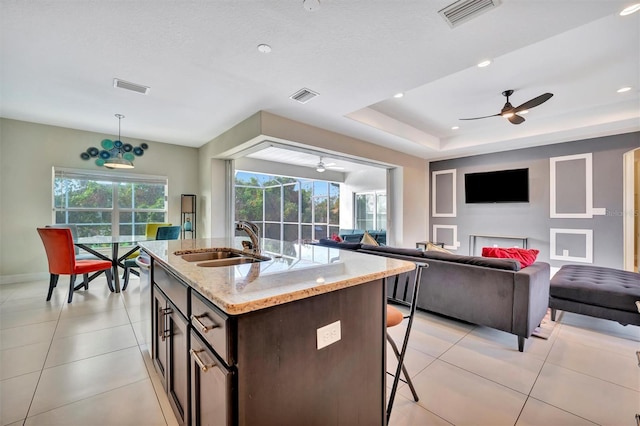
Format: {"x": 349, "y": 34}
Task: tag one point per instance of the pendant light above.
{"x": 117, "y": 161}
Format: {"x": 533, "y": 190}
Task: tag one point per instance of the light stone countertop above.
{"x": 295, "y": 271}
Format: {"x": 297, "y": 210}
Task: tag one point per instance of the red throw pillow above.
{"x": 525, "y": 256}
{"x": 336, "y": 237}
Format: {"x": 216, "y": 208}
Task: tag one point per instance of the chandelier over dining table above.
{"x": 115, "y": 154}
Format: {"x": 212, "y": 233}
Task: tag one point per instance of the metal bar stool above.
{"x": 395, "y": 317}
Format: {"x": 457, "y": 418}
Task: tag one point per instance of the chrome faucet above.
{"x": 253, "y": 232}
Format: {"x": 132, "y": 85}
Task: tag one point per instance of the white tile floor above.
{"x": 80, "y": 364}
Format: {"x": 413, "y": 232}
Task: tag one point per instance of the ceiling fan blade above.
{"x": 534, "y": 102}
{"x": 515, "y": 119}
{"x": 478, "y": 118}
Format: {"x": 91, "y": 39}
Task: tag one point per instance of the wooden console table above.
{"x": 473, "y": 237}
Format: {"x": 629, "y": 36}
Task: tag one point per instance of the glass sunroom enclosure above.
{"x": 288, "y": 209}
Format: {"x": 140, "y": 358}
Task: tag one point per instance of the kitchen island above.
{"x": 295, "y": 339}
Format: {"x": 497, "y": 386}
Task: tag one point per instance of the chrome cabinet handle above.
{"x": 162, "y": 322}
{"x": 203, "y": 328}
{"x": 204, "y": 367}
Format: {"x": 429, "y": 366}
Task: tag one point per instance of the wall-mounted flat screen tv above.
{"x": 502, "y": 186}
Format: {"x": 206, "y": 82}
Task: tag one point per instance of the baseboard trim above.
{"x": 21, "y": 278}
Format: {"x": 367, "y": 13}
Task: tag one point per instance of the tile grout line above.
{"x": 558, "y": 325}
{"x": 35, "y": 390}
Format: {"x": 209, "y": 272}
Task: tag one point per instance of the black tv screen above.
{"x": 502, "y": 186}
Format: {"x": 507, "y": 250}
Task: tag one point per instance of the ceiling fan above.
{"x": 511, "y": 113}
{"x": 321, "y": 167}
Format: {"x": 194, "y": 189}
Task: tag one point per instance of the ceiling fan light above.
{"x": 524, "y": 111}
{"x": 508, "y": 114}
{"x": 630, "y": 9}
{"x": 320, "y": 168}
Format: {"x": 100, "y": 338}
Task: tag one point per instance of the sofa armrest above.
{"x": 530, "y": 298}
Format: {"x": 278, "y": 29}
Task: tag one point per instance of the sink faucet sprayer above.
{"x": 253, "y": 232}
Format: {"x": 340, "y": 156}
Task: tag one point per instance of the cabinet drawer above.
{"x": 213, "y": 326}
{"x": 176, "y": 291}
{"x": 212, "y": 393}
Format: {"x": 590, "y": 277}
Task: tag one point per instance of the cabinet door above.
{"x": 159, "y": 340}
{"x": 178, "y": 364}
{"x": 211, "y": 387}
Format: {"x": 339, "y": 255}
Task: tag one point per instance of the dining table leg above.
{"x": 114, "y": 263}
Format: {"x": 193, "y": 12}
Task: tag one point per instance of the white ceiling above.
{"x": 200, "y": 58}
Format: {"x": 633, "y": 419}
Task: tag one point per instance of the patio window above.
{"x": 288, "y": 209}
{"x": 371, "y": 210}
{"x": 108, "y": 203}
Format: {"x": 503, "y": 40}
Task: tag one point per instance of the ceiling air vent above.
{"x": 303, "y": 95}
{"x": 130, "y": 86}
{"x": 464, "y": 10}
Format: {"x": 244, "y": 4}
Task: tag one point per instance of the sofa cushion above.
{"x": 504, "y": 264}
{"x": 393, "y": 250}
{"x": 526, "y": 257}
{"x": 341, "y": 245}
{"x": 488, "y": 262}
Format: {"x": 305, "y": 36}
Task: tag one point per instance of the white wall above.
{"x": 28, "y": 152}
{"x": 409, "y": 221}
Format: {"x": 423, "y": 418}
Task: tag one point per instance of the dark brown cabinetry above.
{"x": 263, "y": 367}
{"x": 171, "y": 342}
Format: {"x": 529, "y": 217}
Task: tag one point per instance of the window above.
{"x": 288, "y": 209}
{"x": 103, "y": 203}
{"x": 371, "y": 210}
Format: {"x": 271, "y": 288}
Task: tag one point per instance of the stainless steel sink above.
{"x": 210, "y": 255}
{"x": 216, "y": 257}
{"x": 229, "y": 262}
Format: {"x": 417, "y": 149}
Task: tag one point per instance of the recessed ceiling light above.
{"x": 484, "y": 63}
{"x": 264, "y": 48}
{"x": 624, "y": 89}
{"x": 455, "y": 127}
{"x": 630, "y": 9}
{"x": 398, "y": 95}
{"x": 311, "y": 5}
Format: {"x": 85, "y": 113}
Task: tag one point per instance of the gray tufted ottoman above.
{"x": 596, "y": 291}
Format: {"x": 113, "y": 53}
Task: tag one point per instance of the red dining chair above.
{"x": 58, "y": 243}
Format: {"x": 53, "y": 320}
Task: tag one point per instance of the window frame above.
{"x": 115, "y": 178}
{"x": 282, "y": 223}
{"x": 376, "y": 195}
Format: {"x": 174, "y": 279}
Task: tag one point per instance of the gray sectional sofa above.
{"x": 491, "y": 292}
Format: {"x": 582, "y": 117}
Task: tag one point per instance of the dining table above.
{"x": 86, "y": 243}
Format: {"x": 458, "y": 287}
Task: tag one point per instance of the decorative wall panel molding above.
{"x": 571, "y": 245}
{"x": 571, "y": 187}
{"x": 443, "y": 193}
{"x": 447, "y": 234}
